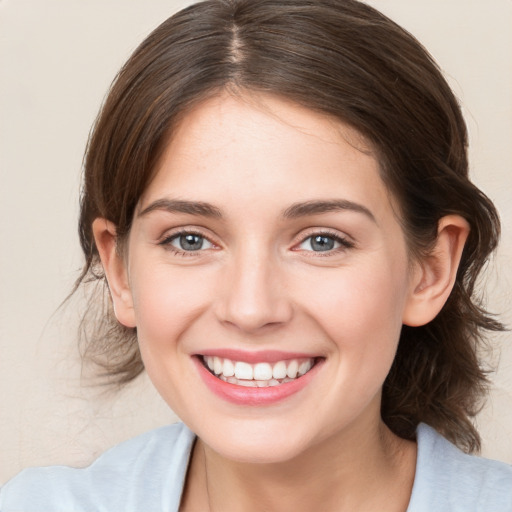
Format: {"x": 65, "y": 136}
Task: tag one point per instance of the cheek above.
{"x": 354, "y": 301}
{"x": 360, "y": 311}
{"x": 166, "y": 301}
{"x": 363, "y": 318}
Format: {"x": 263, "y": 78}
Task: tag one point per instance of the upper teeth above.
{"x": 291, "y": 368}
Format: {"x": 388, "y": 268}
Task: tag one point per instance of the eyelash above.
{"x": 166, "y": 242}
{"x": 345, "y": 243}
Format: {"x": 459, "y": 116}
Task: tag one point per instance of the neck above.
{"x": 355, "y": 470}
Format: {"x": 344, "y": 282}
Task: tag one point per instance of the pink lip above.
{"x": 241, "y": 395}
{"x": 252, "y": 357}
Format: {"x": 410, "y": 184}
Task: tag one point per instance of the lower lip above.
{"x": 241, "y": 395}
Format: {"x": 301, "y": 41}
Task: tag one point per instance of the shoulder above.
{"x": 448, "y": 479}
{"x": 147, "y": 470}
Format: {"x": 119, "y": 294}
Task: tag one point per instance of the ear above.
{"x": 434, "y": 276}
{"x": 114, "y": 265}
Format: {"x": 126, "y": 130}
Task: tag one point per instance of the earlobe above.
{"x": 434, "y": 276}
{"x": 105, "y": 236}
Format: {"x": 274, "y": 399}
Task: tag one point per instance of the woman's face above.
{"x": 267, "y": 248}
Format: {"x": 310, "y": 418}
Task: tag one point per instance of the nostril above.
{"x": 256, "y": 314}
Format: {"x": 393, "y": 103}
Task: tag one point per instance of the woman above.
{"x": 276, "y": 193}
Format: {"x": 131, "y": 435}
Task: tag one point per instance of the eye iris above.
{"x": 191, "y": 242}
{"x": 322, "y": 243}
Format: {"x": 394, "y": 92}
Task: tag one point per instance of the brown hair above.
{"x": 339, "y": 57}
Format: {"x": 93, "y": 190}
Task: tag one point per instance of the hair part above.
{"x": 345, "y": 59}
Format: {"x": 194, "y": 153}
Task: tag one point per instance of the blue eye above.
{"x": 189, "y": 242}
{"x": 324, "y": 243}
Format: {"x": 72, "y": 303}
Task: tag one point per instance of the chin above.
{"x": 260, "y": 444}
{"x": 256, "y": 453}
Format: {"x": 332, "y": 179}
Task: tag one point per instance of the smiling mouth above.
{"x": 259, "y": 375}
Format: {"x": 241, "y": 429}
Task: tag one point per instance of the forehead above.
{"x": 261, "y": 150}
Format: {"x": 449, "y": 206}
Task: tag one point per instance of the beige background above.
{"x": 57, "y": 58}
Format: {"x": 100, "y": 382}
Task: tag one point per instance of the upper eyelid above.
{"x": 192, "y": 230}
{"x": 309, "y": 232}
{"x": 342, "y": 243}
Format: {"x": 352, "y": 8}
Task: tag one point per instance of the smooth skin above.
{"x": 223, "y": 254}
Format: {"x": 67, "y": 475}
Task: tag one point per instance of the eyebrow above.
{"x": 318, "y": 207}
{"x": 179, "y": 206}
{"x": 296, "y": 210}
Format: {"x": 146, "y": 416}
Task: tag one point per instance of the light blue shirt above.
{"x": 147, "y": 474}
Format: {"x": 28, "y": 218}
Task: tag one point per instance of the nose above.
{"x": 253, "y": 296}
